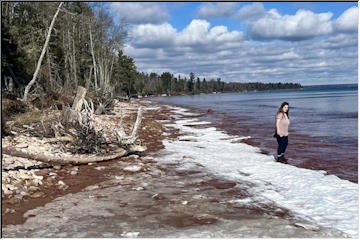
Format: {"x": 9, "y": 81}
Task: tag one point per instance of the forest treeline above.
{"x": 85, "y": 49}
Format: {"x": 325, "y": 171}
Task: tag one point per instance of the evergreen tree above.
{"x": 198, "y": 85}
{"x": 124, "y": 75}
{"x": 190, "y": 83}
{"x": 166, "y": 82}
{"x": 204, "y": 87}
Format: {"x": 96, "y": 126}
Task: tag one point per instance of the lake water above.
{"x": 323, "y": 130}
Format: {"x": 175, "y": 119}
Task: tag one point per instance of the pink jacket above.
{"x": 282, "y": 124}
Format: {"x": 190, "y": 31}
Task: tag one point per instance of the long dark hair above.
{"x": 281, "y": 107}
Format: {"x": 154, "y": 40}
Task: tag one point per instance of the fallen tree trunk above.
{"x": 75, "y": 159}
{"x": 60, "y": 139}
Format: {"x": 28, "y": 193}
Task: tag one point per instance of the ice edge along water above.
{"x": 323, "y": 199}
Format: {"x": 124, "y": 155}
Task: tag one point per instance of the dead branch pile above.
{"x": 79, "y": 124}
{"x": 80, "y": 132}
{"x": 102, "y": 104}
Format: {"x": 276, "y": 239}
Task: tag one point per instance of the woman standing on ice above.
{"x": 282, "y": 131}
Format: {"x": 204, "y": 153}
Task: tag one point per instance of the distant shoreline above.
{"x": 258, "y": 90}
{"x": 331, "y": 85}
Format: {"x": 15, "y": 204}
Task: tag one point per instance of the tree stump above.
{"x": 79, "y": 99}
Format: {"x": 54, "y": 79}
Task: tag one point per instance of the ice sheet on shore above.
{"x": 325, "y": 200}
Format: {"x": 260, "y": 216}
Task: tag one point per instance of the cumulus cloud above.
{"x": 348, "y": 21}
{"x": 197, "y": 34}
{"x": 152, "y": 36}
{"x": 253, "y": 11}
{"x": 265, "y": 24}
{"x": 303, "y": 25}
{"x": 136, "y": 13}
{"x": 223, "y": 9}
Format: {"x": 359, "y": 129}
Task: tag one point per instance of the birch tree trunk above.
{"x": 88, "y": 80}
{"x": 70, "y": 59}
{"x": 74, "y": 57}
{"x": 105, "y": 89}
{"x": 111, "y": 68}
{"x": 27, "y": 88}
{"x": 108, "y": 76}
{"x": 101, "y": 72}
{"x": 49, "y": 81}
{"x": 93, "y": 58}
{"x": 66, "y": 72}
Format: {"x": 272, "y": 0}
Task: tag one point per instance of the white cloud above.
{"x": 254, "y": 11}
{"x": 197, "y": 34}
{"x": 223, "y": 9}
{"x": 150, "y": 35}
{"x": 348, "y": 21}
{"x": 136, "y": 13}
{"x": 221, "y": 34}
{"x": 265, "y": 24}
{"x": 303, "y": 25}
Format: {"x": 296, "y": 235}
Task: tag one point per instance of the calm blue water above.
{"x": 325, "y": 114}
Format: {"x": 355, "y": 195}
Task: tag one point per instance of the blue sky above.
{"x": 306, "y": 42}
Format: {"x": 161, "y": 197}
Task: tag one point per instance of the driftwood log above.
{"x": 62, "y": 159}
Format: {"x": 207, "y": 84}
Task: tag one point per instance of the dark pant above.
{"x": 282, "y": 142}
